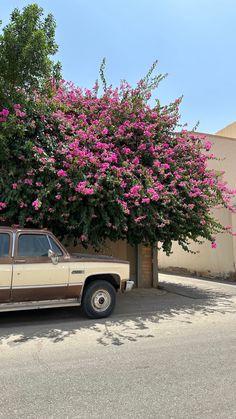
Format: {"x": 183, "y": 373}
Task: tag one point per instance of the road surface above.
{"x": 166, "y": 353}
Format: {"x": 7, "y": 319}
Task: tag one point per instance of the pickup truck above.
{"x": 36, "y": 271}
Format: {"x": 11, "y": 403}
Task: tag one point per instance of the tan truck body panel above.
{"x": 28, "y": 279}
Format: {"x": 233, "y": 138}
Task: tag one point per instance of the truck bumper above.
{"x": 127, "y": 286}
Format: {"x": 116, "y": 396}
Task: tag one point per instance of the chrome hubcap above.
{"x": 101, "y": 300}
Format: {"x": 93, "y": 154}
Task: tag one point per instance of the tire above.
{"x": 99, "y": 299}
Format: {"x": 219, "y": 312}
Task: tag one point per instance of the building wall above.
{"x": 222, "y": 260}
{"x": 229, "y": 131}
{"x": 145, "y": 267}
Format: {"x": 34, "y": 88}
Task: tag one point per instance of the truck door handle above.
{"x": 20, "y": 261}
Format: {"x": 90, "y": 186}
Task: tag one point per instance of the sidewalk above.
{"x": 176, "y": 293}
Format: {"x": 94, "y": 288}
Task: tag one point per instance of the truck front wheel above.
{"x": 99, "y": 299}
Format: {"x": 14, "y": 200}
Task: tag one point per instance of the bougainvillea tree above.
{"x": 92, "y": 166}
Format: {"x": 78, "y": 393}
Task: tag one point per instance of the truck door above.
{"x": 5, "y": 265}
{"x": 35, "y": 277}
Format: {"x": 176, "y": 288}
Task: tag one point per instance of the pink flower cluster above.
{"x": 84, "y": 189}
{"x": 18, "y": 112}
{"x": 36, "y": 204}
{"x": 3, "y": 115}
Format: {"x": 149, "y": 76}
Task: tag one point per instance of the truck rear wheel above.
{"x": 99, "y": 299}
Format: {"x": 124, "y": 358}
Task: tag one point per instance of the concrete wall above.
{"x": 222, "y": 260}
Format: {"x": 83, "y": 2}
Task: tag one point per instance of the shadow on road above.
{"x": 130, "y": 322}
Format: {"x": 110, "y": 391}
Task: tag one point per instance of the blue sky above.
{"x": 194, "y": 41}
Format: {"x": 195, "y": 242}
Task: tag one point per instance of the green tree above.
{"x": 27, "y": 45}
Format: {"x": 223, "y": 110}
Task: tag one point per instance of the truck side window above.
{"x": 4, "y": 244}
{"x": 33, "y": 245}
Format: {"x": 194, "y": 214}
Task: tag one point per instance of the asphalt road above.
{"x": 166, "y": 353}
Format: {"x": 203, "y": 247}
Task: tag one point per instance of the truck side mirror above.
{"x": 53, "y": 256}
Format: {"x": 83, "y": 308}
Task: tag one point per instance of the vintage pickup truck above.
{"x": 36, "y": 271}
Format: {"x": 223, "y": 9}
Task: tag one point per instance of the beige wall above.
{"x": 222, "y": 260}
{"x": 228, "y": 131}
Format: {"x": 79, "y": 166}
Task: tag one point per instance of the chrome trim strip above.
{"x": 32, "y": 305}
{"x": 76, "y": 283}
{"x": 40, "y": 286}
{"x": 47, "y": 285}
{"x": 13, "y": 244}
{"x": 50, "y": 246}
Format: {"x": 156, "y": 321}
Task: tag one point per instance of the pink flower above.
{"x": 28, "y": 182}
{"x": 104, "y": 167}
{"x": 126, "y": 150}
{"x": 135, "y": 160}
{"x": 213, "y": 245}
{"x": 165, "y": 166}
{"x": 147, "y": 133}
{"x": 3, "y": 115}
{"x": 105, "y": 131}
{"x": 138, "y": 219}
{"x": 112, "y": 158}
{"x": 101, "y": 146}
{"x": 154, "y": 194}
{"x": 61, "y": 173}
{"x": 191, "y": 206}
{"x": 36, "y": 204}
{"x": 14, "y": 186}
{"x": 124, "y": 206}
{"x": 4, "y": 112}
{"x": 88, "y": 191}
{"x": 146, "y": 200}
{"x": 134, "y": 191}
{"x": 142, "y": 147}
{"x": 84, "y": 189}
{"x": 58, "y": 197}
{"x": 18, "y": 112}
{"x": 207, "y": 145}
{"x": 2, "y": 205}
